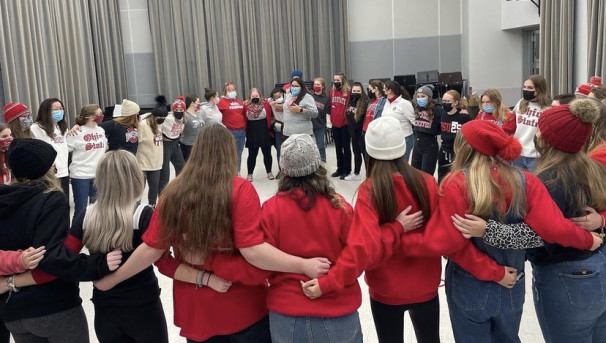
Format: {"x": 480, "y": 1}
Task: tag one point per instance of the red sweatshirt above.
{"x": 509, "y": 126}
{"x": 442, "y": 238}
{"x": 338, "y": 104}
{"x": 393, "y": 277}
{"x": 321, "y": 231}
{"x": 11, "y": 262}
{"x": 234, "y": 117}
{"x": 201, "y": 312}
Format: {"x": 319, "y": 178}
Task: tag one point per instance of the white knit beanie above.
{"x": 128, "y": 108}
{"x": 385, "y": 139}
{"x": 299, "y": 156}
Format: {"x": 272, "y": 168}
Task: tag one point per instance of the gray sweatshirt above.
{"x": 299, "y": 122}
{"x": 193, "y": 125}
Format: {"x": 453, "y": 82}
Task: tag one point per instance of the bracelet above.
{"x": 199, "y": 283}
{"x": 10, "y": 282}
{"x": 208, "y": 280}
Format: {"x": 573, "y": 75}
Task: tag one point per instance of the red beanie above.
{"x": 14, "y": 110}
{"x": 489, "y": 139}
{"x": 584, "y": 88}
{"x": 568, "y": 127}
{"x": 596, "y": 80}
{"x": 179, "y": 104}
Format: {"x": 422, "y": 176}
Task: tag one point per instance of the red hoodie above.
{"x": 338, "y": 104}
{"x": 509, "y": 126}
{"x": 234, "y": 117}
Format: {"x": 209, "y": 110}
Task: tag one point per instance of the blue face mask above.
{"x": 488, "y": 108}
{"x": 422, "y": 102}
{"x": 295, "y": 91}
{"x": 232, "y": 95}
{"x": 57, "y": 115}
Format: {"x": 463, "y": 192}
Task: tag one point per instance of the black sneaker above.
{"x": 336, "y": 174}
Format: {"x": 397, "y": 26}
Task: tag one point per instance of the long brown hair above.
{"x": 362, "y": 104}
{"x": 383, "y": 194}
{"x": 486, "y": 196}
{"x": 195, "y": 208}
{"x": 312, "y": 184}
{"x": 543, "y": 96}
{"x": 17, "y": 131}
{"x": 45, "y": 120}
{"x": 130, "y": 121}
{"x": 499, "y": 109}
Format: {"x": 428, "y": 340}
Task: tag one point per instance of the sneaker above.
{"x": 249, "y": 177}
{"x": 342, "y": 177}
{"x": 353, "y": 177}
{"x": 336, "y": 174}
{"x": 270, "y": 176}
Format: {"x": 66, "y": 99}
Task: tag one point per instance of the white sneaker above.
{"x": 353, "y": 177}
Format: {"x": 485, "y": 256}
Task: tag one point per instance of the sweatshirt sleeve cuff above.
{"x": 326, "y": 284}
{"x": 498, "y": 273}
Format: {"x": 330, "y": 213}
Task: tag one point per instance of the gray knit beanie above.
{"x": 299, "y": 156}
{"x": 427, "y": 90}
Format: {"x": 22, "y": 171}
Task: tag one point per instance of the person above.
{"x": 123, "y": 131}
{"x": 210, "y": 112}
{"x": 598, "y": 93}
{"x": 319, "y": 123}
{"x": 230, "y": 222}
{"x": 87, "y": 148}
{"x": 193, "y": 121}
{"x": 472, "y": 102}
{"x": 276, "y": 102}
{"x": 172, "y": 128}
{"x": 299, "y": 108}
{"x": 450, "y": 124}
{"x": 321, "y": 218}
{"x": 376, "y": 95}
{"x": 34, "y": 212}
{"x": 596, "y": 147}
{"x": 6, "y": 139}
{"x": 584, "y": 89}
{"x": 150, "y": 153}
{"x": 258, "y": 135}
{"x": 295, "y": 74}
{"x": 18, "y": 118}
{"x": 339, "y": 98}
{"x": 535, "y": 100}
{"x": 355, "y": 112}
{"x": 494, "y": 110}
{"x": 51, "y": 127}
{"x": 426, "y": 130}
{"x": 398, "y": 106}
{"x": 562, "y": 99}
{"x": 234, "y": 117}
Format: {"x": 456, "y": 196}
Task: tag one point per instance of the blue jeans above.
{"x": 410, "y": 142}
{"x": 292, "y": 329}
{"x": 320, "y": 135}
{"x": 279, "y": 141}
{"x": 240, "y": 137}
{"x": 83, "y": 190}
{"x": 526, "y": 163}
{"x": 483, "y": 311}
{"x": 572, "y": 307}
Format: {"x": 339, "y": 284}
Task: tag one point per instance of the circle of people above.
{"x": 514, "y": 185}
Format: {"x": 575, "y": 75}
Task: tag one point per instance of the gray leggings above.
{"x": 64, "y": 327}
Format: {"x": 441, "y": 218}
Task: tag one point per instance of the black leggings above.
{"x": 425, "y": 153}
{"x": 256, "y": 333}
{"x": 153, "y": 181}
{"x": 359, "y": 149}
{"x": 143, "y": 323}
{"x": 5, "y": 336}
{"x": 342, "y": 147}
{"x": 389, "y": 321}
{"x": 251, "y": 161}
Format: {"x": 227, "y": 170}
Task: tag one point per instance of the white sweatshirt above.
{"x": 527, "y": 127}
{"x": 88, "y": 146}
{"x": 402, "y": 110}
{"x": 58, "y": 141}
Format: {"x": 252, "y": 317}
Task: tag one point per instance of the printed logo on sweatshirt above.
{"x": 234, "y": 105}
{"x": 530, "y": 118}
{"x": 338, "y": 100}
{"x": 423, "y": 120}
{"x": 176, "y": 129}
{"x": 320, "y": 106}
{"x": 132, "y": 135}
{"x": 452, "y": 127}
{"x": 57, "y": 139}
{"x": 158, "y": 139}
{"x": 94, "y": 141}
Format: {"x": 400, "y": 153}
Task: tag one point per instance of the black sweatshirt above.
{"x": 323, "y": 105}
{"x": 31, "y": 217}
{"x": 423, "y": 126}
{"x": 120, "y": 136}
{"x": 450, "y": 125}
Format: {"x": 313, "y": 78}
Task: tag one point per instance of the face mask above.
{"x": 355, "y": 96}
{"x": 528, "y": 95}
{"x": 57, "y": 115}
{"x": 198, "y": 107}
{"x": 160, "y": 121}
{"x": 178, "y": 115}
{"x": 5, "y": 143}
{"x": 279, "y": 100}
{"x": 488, "y": 108}
{"x": 255, "y": 100}
{"x": 539, "y": 146}
{"x": 26, "y": 122}
{"x": 232, "y": 95}
{"x": 318, "y": 89}
{"x": 98, "y": 119}
{"x": 447, "y": 106}
{"x": 422, "y": 102}
{"x": 338, "y": 85}
{"x": 371, "y": 94}
{"x": 295, "y": 91}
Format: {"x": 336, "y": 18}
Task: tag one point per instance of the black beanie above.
{"x": 30, "y": 158}
{"x": 160, "y": 109}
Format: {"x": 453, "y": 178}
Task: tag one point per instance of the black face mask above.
{"x": 255, "y": 100}
{"x": 355, "y": 97}
{"x": 179, "y": 115}
{"x": 338, "y": 85}
{"x": 447, "y": 106}
{"x": 371, "y": 95}
{"x": 528, "y": 95}
{"x": 160, "y": 121}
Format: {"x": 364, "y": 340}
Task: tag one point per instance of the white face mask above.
{"x": 279, "y": 100}
{"x": 232, "y": 95}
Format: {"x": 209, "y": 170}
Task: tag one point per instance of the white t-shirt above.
{"x": 88, "y": 146}
{"x": 402, "y": 110}
{"x": 59, "y": 142}
{"x": 526, "y": 127}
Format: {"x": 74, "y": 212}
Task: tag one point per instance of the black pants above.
{"x": 342, "y": 143}
{"x": 359, "y": 149}
{"x": 153, "y": 181}
{"x": 172, "y": 154}
{"x": 425, "y": 153}
{"x": 5, "y": 335}
{"x": 62, "y": 327}
{"x": 256, "y": 333}
{"x": 186, "y": 150}
{"x": 251, "y": 161}
{"x": 389, "y": 321}
{"x": 445, "y": 159}
{"x": 143, "y": 323}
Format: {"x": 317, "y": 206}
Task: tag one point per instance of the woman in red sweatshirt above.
{"x": 495, "y": 111}
{"x": 234, "y": 116}
{"x": 339, "y": 98}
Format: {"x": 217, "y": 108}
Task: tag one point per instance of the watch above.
{"x": 301, "y": 109}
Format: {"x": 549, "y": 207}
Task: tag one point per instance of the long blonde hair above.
{"x": 499, "y": 109}
{"x": 195, "y": 207}
{"x": 486, "y": 195}
{"x": 108, "y": 223}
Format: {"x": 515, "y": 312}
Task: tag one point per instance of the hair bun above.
{"x": 160, "y": 100}
{"x": 585, "y": 109}
{"x": 511, "y": 151}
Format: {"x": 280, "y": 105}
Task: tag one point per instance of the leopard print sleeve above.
{"x": 511, "y": 236}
